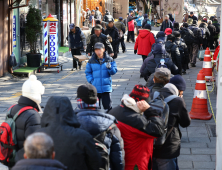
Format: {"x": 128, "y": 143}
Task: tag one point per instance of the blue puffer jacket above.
{"x": 98, "y": 75}
{"x": 139, "y": 22}
{"x": 96, "y": 122}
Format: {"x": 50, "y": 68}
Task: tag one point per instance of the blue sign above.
{"x": 14, "y": 31}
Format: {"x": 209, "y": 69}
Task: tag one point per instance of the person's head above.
{"x": 140, "y": 13}
{"x": 170, "y": 38}
{"x": 209, "y": 22}
{"x": 194, "y": 22}
{"x": 204, "y": 20}
{"x": 185, "y": 25}
{"x": 107, "y": 10}
{"x": 72, "y": 27}
{"x": 131, "y": 12}
{"x": 168, "y": 31}
{"x": 127, "y": 14}
{"x": 98, "y": 30}
{"x": 160, "y": 34}
{"x": 147, "y": 27}
{"x": 87, "y": 97}
{"x": 176, "y": 25}
{"x": 99, "y": 49}
{"x": 215, "y": 20}
{"x": 140, "y": 92}
{"x": 176, "y": 34}
{"x": 39, "y": 146}
{"x": 191, "y": 14}
{"x": 93, "y": 12}
{"x": 158, "y": 49}
{"x": 162, "y": 76}
{"x": 167, "y": 17}
{"x": 33, "y": 89}
{"x": 145, "y": 16}
{"x": 179, "y": 82}
{"x": 98, "y": 21}
{"x": 120, "y": 18}
{"x": 97, "y": 8}
{"x": 110, "y": 24}
{"x": 190, "y": 21}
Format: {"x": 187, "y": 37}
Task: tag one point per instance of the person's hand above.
{"x": 108, "y": 65}
{"x": 139, "y": 18}
{"x": 84, "y": 47}
{"x": 112, "y": 54}
{"x": 143, "y": 105}
{"x": 135, "y": 51}
{"x": 88, "y": 54}
{"x": 70, "y": 49}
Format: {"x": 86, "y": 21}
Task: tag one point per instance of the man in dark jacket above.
{"x": 205, "y": 33}
{"x": 217, "y": 25}
{"x": 184, "y": 54}
{"x": 99, "y": 37}
{"x": 193, "y": 16}
{"x": 76, "y": 40}
{"x": 39, "y": 154}
{"x": 29, "y": 121}
{"x": 212, "y": 30}
{"x": 112, "y": 32}
{"x": 198, "y": 40}
{"x": 165, "y": 156}
{"x": 166, "y": 24}
{"x": 138, "y": 123}
{"x": 121, "y": 28}
{"x": 96, "y": 123}
{"x": 174, "y": 52}
{"x": 98, "y": 14}
{"x": 154, "y": 62}
{"x": 74, "y": 147}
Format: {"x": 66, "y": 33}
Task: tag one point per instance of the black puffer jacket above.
{"x": 74, "y": 147}
{"x": 212, "y": 30}
{"x": 103, "y": 39}
{"x": 185, "y": 58}
{"x": 197, "y": 34}
{"x": 27, "y": 123}
{"x": 166, "y": 25}
{"x": 178, "y": 115}
{"x": 174, "y": 52}
{"x": 152, "y": 64}
{"x": 207, "y": 32}
{"x": 187, "y": 35}
{"x": 113, "y": 32}
{"x": 37, "y": 164}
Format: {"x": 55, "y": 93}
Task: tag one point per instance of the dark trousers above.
{"x": 211, "y": 44}
{"x": 190, "y": 51}
{"x": 76, "y": 52}
{"x": 195, "y": 49}
{"x": 137, "y": 29}
{"x": 121, "y": 41}
{"x": 130, "y": 35}
{"x": 216, "y": 42}
{"x": 205, "y": 44}
{"x": 144, "y": 57}
{"x": 105, "y": 99}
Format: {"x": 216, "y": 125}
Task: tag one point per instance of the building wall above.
{"x": 120, "y": 8}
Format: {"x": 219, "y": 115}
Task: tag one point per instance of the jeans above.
{"x": 105, "y": 99}
{"x": 76, "y": 52}
{"x": 165, "y": 164}
{"x": 121, "y": 41}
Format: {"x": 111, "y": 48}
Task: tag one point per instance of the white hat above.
{"x": 33, "y": 89}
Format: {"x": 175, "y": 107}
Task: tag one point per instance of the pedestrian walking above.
{"x": 198, "y": 41}
{"x": 130, "y": 25}
{"x": 98, "y": 14}
{"x": 205, "y": 32}
{"x": 192, "y": 16}
{"x": 99, "y": 37}
{"x": 139, "y": 21}
{"x": 144, "y": 42}
{"x": 107, "y": 17}
{"x": 76, "y": 40}
{"x": 99, "y": 70}
{"x": 98, "y": 22}
{"x": 92, "y": 19}
{"x": 217, "y": 25}
{"x": 113, "y": 33}
{"x": 100, "y": 125}
{"x": 74, "y": 147}
{"x": 88, "y": 13}
{"x": 145, "y": 20}
{"x": 121, "y": 28}
{"x": 174, "y": 52}
{"x": 39, "y": 154}
{"x": 166, "y": 24}
{"x": 139, "y": 124}
{"x": 212, "y": 30}
{"x": 165, "y": 156}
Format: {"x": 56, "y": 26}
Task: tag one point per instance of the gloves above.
{"x": 135, "y": 51}
{"x": 108, "y": 65}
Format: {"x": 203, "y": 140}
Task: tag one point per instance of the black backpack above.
{"x": 187, "y": 36}
{"x": 101, "y": 147}
{"x": 160, "y": 103}
{"x": 181, "y": 49}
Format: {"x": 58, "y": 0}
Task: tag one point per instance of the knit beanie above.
{"x": 147, "y": 26}
{"x": 179, "y": 82}
{"x": 160, "y": 34}
{"x": 140, "y": 92}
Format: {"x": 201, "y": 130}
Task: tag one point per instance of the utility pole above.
{"x": 219, "y": 107}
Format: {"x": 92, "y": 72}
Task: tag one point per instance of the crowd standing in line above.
{"x": 135, "y": 134}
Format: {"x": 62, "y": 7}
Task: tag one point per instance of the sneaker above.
{"x": 193, "y": 65}
{"x": 80, "y": 67}
{"x": 74, "y": 69}
{"x": 124, "y": 51}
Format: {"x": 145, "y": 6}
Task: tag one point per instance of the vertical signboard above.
{"x": 14, "y": 30}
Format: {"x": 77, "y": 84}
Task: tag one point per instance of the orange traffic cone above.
{"x": 199, "y": 109}
{"x": 207, "y": 65}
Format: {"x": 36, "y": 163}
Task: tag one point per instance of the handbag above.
{"x": 201, "y": 53}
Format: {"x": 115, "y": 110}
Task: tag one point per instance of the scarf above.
{"x": 82, "y": 105}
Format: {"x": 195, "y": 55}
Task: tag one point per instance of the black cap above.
{"x": 147, "y": 26}
{"x": 191, "y": 12}
{"x": 98, "y": 27}
{"x": 176, "y": 33}
{"x": 160, "y": 34}
{"x": 120, "y": 18}
{"x": 87, "y": 93}
{"x": 99, "y": 45}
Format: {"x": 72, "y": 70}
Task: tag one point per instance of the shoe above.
{"x": 80, "y": 67}
{"x": 193, "y": 65}
{"x": 188, "y": 66}
{"x": 124, "y": 51}
{"x": 74, "y": 69}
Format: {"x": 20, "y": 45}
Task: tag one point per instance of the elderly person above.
{"x": 76, "y": 40}
{"x": 99, "y": 70}
{"x": 166, "y": 24}
{"x": 39, "y": 154}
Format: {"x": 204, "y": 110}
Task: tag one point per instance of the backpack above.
{"x": 162, "y": 62}
{"x": 101, "y": 147}
{"x": 187, "y": 36}
{"x": 8, "y": 142}
{"x": 148, "y": 22}
{"x": 181, "y": 49}
{"x": 161, "y": 104}
{"x": 203, "y": 32}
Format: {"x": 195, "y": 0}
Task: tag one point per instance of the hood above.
{"x": 144, "y": 33}
{"x": 94, "y": 121}
{"x": 130, "y": 103}
{"x": 168, "y": 45}
{"x": 27, "y": 102}
{"x": 160, "y": 39}
{"x": 59, "y": 111}
{"x": 172, "y": 88}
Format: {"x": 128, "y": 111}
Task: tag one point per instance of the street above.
{"x": 198, "y": 141}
